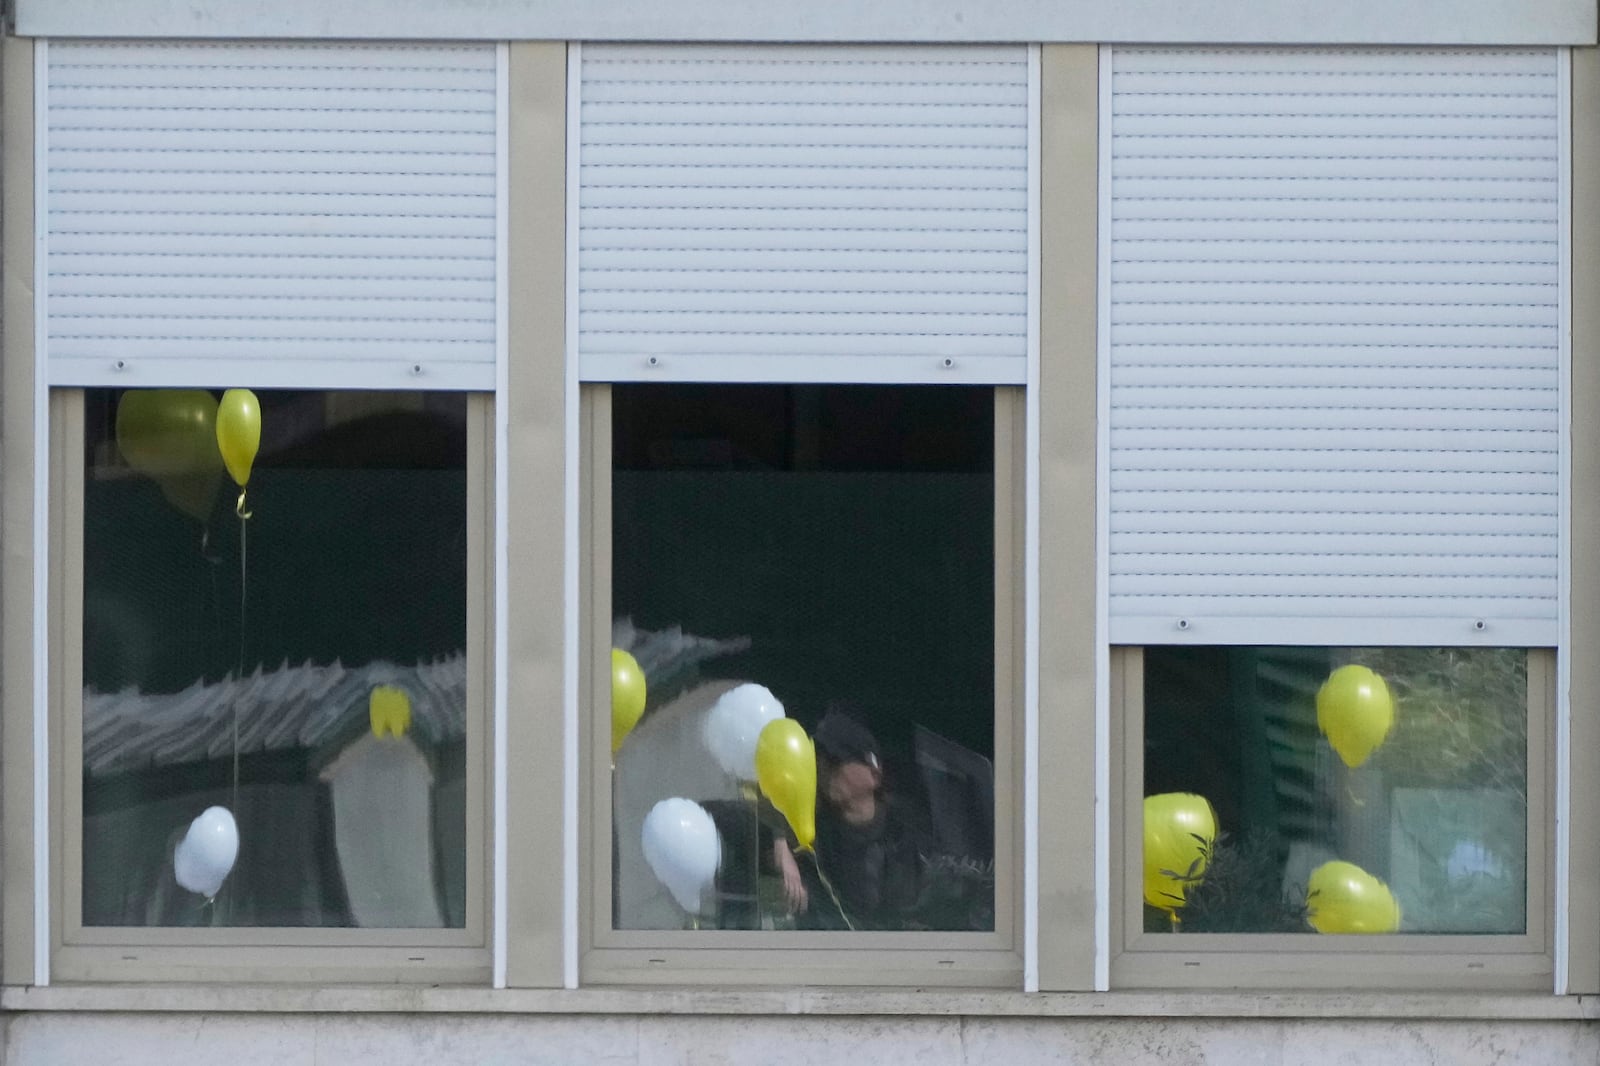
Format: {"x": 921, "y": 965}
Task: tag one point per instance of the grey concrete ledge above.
{"x": 276, "y": 999}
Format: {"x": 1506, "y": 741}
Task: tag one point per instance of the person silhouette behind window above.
{"x": 869, "y": 842}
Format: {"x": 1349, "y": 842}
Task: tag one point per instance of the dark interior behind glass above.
{"x": 353, "y": 577}
{"x": 842, "y": 538}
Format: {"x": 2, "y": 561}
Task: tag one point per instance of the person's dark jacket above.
{"x": 875, "y": 870}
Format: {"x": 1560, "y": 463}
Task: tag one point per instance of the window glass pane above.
{"x": 304, "y": 670}
{"x": 1352, "y": 790}
{"x": 834, "y": 545}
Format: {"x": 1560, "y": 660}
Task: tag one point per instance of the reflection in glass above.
{"x": 304, "y": 669}
{"x": 1330, "y": 818}
{"x": 834, "y": 545}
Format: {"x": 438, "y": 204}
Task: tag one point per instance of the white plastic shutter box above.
{"x": 1335, "y": 355}
{"x": 785, "y": 213}
{"x": 308, "y": 215}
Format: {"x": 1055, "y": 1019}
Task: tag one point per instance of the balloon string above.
{"x": 829, "y": 886}
{"x": 243, "y": 587}
{"x": 755, "y": 857}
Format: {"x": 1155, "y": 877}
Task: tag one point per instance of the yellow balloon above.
{"x": 170, "y": 436}
{"x": 627, "y": 696}
{"x": 389, "y": 711}
{"x": 239, "y": 432}
{"x": 786, "y": 770}
{"x": 1355, "y": 712}
{"x": 1179, "y": 831}
{"x": 1341, "y": 897}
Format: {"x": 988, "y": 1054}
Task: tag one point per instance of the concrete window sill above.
{"x": 276, "y": 999}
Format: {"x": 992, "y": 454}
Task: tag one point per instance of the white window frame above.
{"x": 972, "y": 959}
{"x": 1522, "y": 962}
{"x": 254, "y": 953}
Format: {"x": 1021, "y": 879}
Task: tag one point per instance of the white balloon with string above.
{"x": 683, "y": 849}
{"x": 206, "y": 854}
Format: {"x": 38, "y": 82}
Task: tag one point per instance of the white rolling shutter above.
{"x": 786, "y": 213}
{"x": 1335, "y": 346}
{"x": 315, "y": 215}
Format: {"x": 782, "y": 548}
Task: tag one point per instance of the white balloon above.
{"x": 205, "y": 855}
{"x": 682, "y": 847}
{"x": 734, "y": 725}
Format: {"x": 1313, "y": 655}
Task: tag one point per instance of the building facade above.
{"x": 1081, "y": 522}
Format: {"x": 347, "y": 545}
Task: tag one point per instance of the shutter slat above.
{"x": 156, "y": 60}
{"x": 1326, "y": 462}
{"x": 843, "y": 346}
{"x": 152, "y": 186}
{"x": 1353, "y": 292}
{"x": 1346, "y": 564}
{"x": 222, "y": 330}
{"x": 1406, "y": 86}
{"x": 1417, "y": 524}
{"x": 1515, "y": 164}
{"x": 1329, "y": 364}
{"x": 1356, "y": 252}
{"x": 799, "y": 302}
{"x": 1428, "y": 333}
{"x": 1253, "y": 612}
{"x": 1401, "y": 64}
{"x": 265, "y": 287}
{"x": 1135, "y": 483}
{"x": 1147, "y": 547}
{"x": 1374, "y": 191}
{"x": 1247, "y": 405}
{"x": 804, "y": 176}
{"x": 1386, "y": 437}
{"x": 838, "y": 196}
{"x": 418, "y": 254}
{"x": 819, "y": 62}
{"x": 186, "y": 162}
{"x": 429, "y": 146}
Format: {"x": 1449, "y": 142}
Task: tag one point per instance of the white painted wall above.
{"x": 1150, "y": 21}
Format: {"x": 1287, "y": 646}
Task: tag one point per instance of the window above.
{"x": 273, "y": 728}
{"x": 1275, "y": 794}
{"x": 1410, "y": 764}
{"x": 847, "y": 548}
{"x": 305, "y": 688}
{"x": 1335, "y": 384}
{"x": 802, "y": 284}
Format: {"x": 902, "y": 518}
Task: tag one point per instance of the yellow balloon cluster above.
{"x": 1180, "y": 829}
{"x": 1355, "y": 712}
{"x": 389, "y": 711}
{"x": 786, "y": 771}
{"x": 628, "y": 696}
{"x": 169, "y": 435}
{"x": 1341, "y": 897}
{"x": 182, "y": 438}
